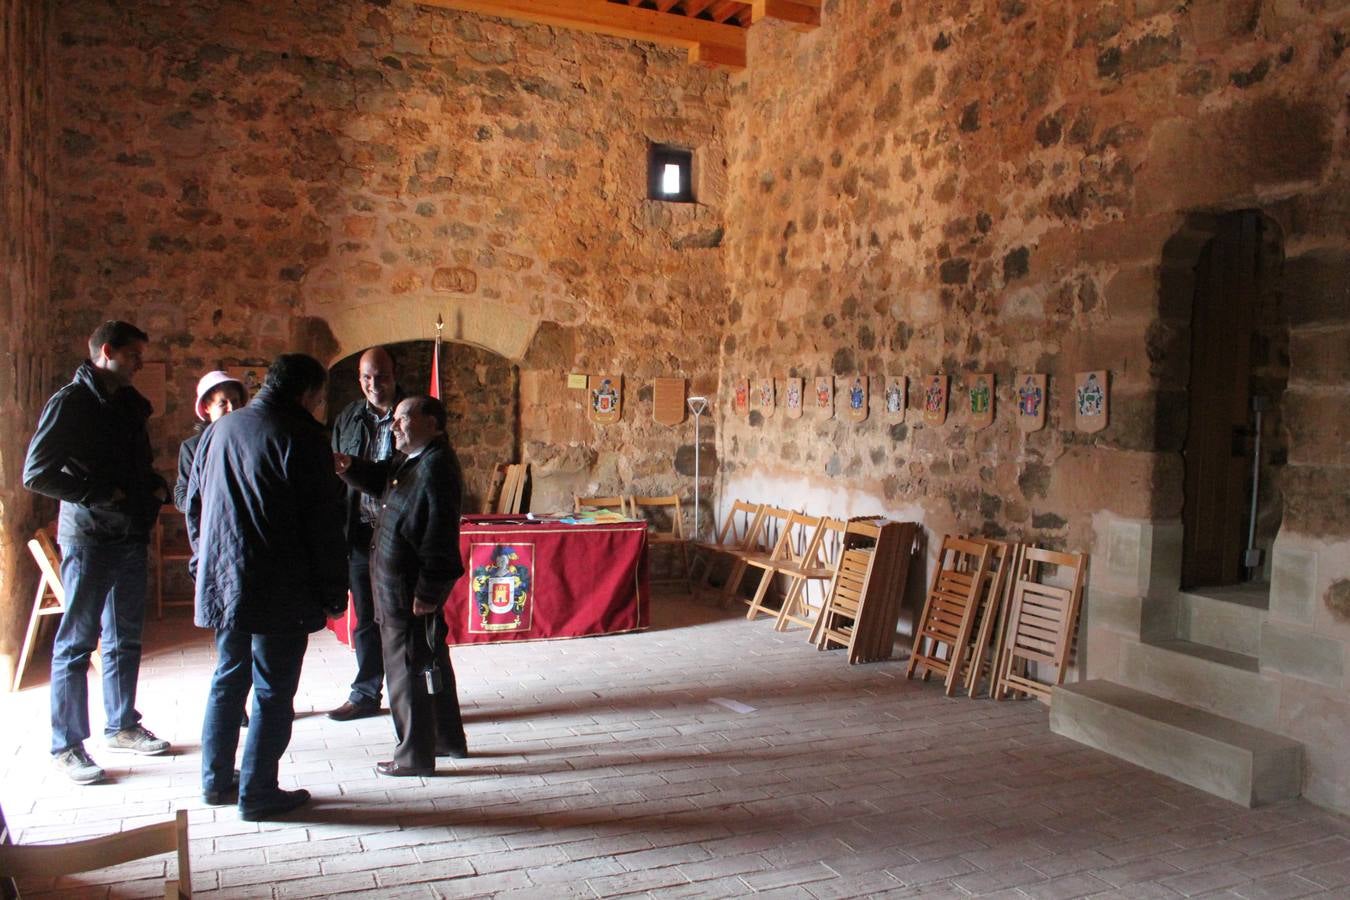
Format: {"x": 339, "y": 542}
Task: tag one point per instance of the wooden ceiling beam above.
{"x": 803, "y": 15}
{"x": 711, "y": 43}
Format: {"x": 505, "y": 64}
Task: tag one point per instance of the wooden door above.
{"x": 1217, "y": 449}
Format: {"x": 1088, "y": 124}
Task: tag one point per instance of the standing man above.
{"x": 365, "y": 430}
{"x": 265, "y": 520}
{"x": 92, "y": 452}
{"x": 414, "y": 564}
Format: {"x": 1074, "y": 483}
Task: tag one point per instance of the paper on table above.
{"x": 733, "y": 705}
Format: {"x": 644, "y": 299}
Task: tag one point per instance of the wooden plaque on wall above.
{"x": 855, "y": 398}
{"x": 606, "y": 393}
{"x": 251, "y": 376}
{"x": 935, "y": 399}
{"x": 741, "y": 399}
{"x": 825, "y": 395}
{"x": 764, "y": 397}
{"x": 981, "y": 398}
{"x": 1091, "y": 400}
{"x": 152, "y": 382}
{"x": 1031, "y": 400}
{"x": 792, "y": 398}
{"x": 896, "y": 401}
{"x": 668, "y": 405}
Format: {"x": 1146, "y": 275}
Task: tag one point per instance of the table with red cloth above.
{"x": 528, "y": 580}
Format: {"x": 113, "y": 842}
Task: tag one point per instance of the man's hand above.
{"x": 423, "y": 608}
{"x": 341, "y": 462}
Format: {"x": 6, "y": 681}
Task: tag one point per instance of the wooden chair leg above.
{"x": 30, "y": 637}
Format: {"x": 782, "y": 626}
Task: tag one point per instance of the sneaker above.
{"x": 77, "y": 765}
{"x": 136, "y": 740}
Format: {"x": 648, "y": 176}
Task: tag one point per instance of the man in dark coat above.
{"x": 265, "y": 521}
{"x": 92, "y": 451}
{"x": 364, "y": 429}
{"x": 414, "y": 563}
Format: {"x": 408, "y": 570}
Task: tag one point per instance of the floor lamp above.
{"x": 697, "y": 406}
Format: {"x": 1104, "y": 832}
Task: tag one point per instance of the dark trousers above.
{"x": 422, "y": 722}
{"x": 365, "y": 637}
{"x": 105, "y": 597}
{"x": 270, "y": 664}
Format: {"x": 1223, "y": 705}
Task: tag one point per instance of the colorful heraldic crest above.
{"x": 765, "y": 397}
{"x": 935, "y": 399}
{"x": 895, "y": 397}
{"x": 741, "y": 402}
{"x": 1090, "y": 400}
{"x": 792, "y": 405}
{"x": 606, "y": 398}
{"x": 857, "y": 398}
{"x": 501, "y": 587}
{"x": 981, "y": 400}
{"x": 1031, "y": 401}
{"x": 825, "y": 395}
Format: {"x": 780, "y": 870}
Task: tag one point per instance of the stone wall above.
{"x": 1000, "y": 186}
{"x": 24, "y": 261}
{"x": 243, "y": 179}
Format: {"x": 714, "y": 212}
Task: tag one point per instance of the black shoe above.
{"x": 454, "y": 751}
{"x": 394, "y": 769}
{"x": 227, "y": 797}
{"x": 278, "y": 804}
{"x": 349, "y": 711}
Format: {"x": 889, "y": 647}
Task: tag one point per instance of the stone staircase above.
{"x": 1186, "y": 698}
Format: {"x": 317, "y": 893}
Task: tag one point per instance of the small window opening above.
{"x": 670, "y": 174}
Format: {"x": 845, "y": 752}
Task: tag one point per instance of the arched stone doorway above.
{"x": 481, "y": 391}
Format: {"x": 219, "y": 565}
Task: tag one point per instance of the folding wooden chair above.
{"x": 668, "y": 512}
{"x": 796, "y": 543}
{"x": 992, "y": 613}
{"x": 50, "y": 600}
{"x": 167, "y": 552}
{"x": 512, "y": 497}
{"x": 1041, "y": 623}
{"x": 50, "y": 860}
{"x": 758, "y": 549}
{"x": 863, "y": 604}
{"x": 839, "y": 615}
{"x": 740, "y": 522}
{"x": 944, "y": 626}
{"x": 817, "y": 563}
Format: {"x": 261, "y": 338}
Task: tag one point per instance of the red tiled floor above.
{"x": 616, "y": 766}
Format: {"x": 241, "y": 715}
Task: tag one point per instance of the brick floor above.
{"x": 620, "y": 766}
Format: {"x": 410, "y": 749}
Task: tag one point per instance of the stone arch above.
{"x": 503, "y": 328}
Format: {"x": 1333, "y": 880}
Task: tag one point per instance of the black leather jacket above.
{"x": 89, "y": 446}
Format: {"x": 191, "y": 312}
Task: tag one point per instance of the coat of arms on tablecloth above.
{"x": 501, "y": 585}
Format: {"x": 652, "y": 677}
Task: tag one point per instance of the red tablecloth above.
{"x": 526, "y": 582}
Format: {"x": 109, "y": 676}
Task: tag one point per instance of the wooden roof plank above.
{"x": 802, "y": 16}
{"x": 720, "y": 55}
{"x": 602, "y": 17}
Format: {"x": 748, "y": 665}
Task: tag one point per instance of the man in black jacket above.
{"x": 364, "y": 429}
{"x": 92, "y": 451}
{"x": 265, "y": 520}
{"x": 414, "y": 562}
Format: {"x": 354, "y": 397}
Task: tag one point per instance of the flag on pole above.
{"x": 434, "y": 389}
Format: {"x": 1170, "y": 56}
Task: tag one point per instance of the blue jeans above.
{"x": 270, "y": 664}
{"x": 365, "y": 637}
{"x": 105, "y": 597}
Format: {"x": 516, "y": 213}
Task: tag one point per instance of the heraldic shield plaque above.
{"x": 501, "y": 587}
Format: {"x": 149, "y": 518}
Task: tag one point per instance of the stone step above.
{"x": 1224, "y": 757}
{"x": 1220, "y": 681}
{"x": 1223, "y": 618}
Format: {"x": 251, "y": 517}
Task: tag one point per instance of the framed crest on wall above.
{"x": 825, "y": 395}
{"x": 1091, "y": 400}
{"x": 252, "y": 377}
{"x": 981, "y": 399}
{"x": 1031, "y": 401}
{"x": 740, "y": 401}
{"x": 606, "y": 393}
{"x": 935, "y": 399}
{"x": 764, "y": 397}
{"x": 856, "y": 398}
{"x": 792, "y": 398}
{"x": 896, "y": 401}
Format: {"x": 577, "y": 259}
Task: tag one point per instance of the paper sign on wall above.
{"x": 606, "y": 399}
{"x": 576, "y": 381}
{"x": 1091, "y": 400}
{"x": 1031, "y": 399}
{"x": 668, "y": 406}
